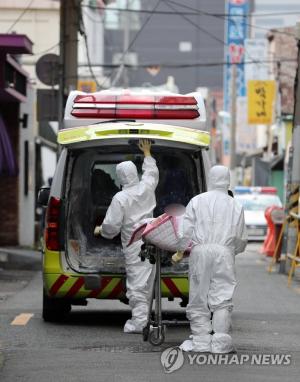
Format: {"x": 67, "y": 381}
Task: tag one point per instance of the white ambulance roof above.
{"x": 164, "y": 107}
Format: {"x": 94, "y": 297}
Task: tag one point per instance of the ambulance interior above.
{"x": 91, "y": 183}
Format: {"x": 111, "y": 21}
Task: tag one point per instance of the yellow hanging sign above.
{"x": 261, "y": 100}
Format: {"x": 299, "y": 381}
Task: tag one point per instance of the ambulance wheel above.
{"x": 157, "y": 339}
{"x": 55, "y": 310}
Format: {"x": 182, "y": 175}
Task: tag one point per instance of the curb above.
{"x": 20, "y": 258}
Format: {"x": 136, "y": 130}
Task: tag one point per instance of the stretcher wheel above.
{"x": 152, "y": 259}
{"x": 157, "y": 336}
{"x": 146, "y": 331}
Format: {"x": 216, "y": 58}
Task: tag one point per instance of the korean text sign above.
{"x": 261, "y": 98}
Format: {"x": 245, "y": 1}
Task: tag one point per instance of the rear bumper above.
{"x": 60, "y": 285}
{"x": 256, "y": 232}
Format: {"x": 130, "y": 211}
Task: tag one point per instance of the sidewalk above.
{"x": 20, "y": 258}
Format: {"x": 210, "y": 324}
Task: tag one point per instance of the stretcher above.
{"x": 159, "y": 235}
{"x": 155, "y": 329}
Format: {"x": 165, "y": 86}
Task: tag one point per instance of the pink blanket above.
{"x": 161, "y": 232}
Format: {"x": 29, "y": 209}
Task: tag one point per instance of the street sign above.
{"x": 236, "y": 32}
{"x": 261, "y": 99}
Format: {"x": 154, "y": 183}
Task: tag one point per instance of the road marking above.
{"x": 22, "y": 319}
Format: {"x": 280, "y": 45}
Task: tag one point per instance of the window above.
{"x": 115, "y": 19}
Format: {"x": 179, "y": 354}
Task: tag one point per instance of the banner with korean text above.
{"x": 261, "y": 100}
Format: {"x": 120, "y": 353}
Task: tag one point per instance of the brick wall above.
{"x": 285, "y": 48}
{"x": 9, "y": 190}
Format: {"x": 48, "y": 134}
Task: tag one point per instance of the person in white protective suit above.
{"x": 214, "y": 223}
{"x": 128, "y": 207}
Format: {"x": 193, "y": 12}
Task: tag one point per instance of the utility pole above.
{"x": 69, "y": 26}
{"x": 233, "y": 122}
{"x": 296, "y": 127}
{"x": 293, "y": 189}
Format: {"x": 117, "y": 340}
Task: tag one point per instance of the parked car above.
{"x": 103, "y": 129}
{"x": 255, "y": 201}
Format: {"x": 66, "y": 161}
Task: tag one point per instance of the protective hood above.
{"x": 219, "y": 178}
{"x": 127, "y": 174}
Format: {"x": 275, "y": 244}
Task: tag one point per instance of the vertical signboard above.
{"x": 236, "y": 32}
{"x": 245, "y": 137}
{"x": 256, "y": 50}
{"x": 261, "y": 99}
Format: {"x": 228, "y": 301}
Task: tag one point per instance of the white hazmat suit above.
{"x": 134, "y": 203}
{"x": 214, "y": 222}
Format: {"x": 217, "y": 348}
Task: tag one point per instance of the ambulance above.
{"x": 101, "y": 130}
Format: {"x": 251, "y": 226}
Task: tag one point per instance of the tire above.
{"x": 157, "y": 340}
{"x": 146, "y": 331}
{"x": 55, "y": 310}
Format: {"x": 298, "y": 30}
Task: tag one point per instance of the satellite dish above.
{"x": 47, "y": 69}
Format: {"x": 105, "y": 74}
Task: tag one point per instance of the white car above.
{"x": 255, "y": 201}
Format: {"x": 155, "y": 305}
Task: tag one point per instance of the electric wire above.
{"x": 46, "y": 50}
{"x": 196, "y": 12}
{"x": 128, "y": 10}
{"x": 188, "y": 65}
{"x": 20, "y": 16}
{"x": 82, "y": 31}
{"x": 228, "y": 16}
{"x": 115, "y": 80}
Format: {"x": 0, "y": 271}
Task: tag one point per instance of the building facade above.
{"x": 17, "y": 148}
{"x": 166, "y": 44}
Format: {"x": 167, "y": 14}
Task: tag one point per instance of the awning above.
{"x": 8, "y": 164}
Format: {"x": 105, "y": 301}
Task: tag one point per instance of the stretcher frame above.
{"x": 155, "y": 329}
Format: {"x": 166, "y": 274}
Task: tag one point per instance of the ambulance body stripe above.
{"x": 172, "y": 287}
{"x": 104, "y": 282}
{"x": 75, "y": 287}
{"x": 116, "y": 291}
{"x": 58, "y": 284}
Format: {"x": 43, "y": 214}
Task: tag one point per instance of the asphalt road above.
{"x": 90, "y": 344}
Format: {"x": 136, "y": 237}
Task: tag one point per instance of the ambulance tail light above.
{"x": 136, "y": 107}
{"x": 52, "y": 224}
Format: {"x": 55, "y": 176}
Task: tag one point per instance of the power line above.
{"x": 197, "y": 12}
{"x": 90, "y": 17}
{"x": 208, "y": 33}
{"x": 228, "y": 16}
{"x": 253, "y": 60}
{"x": 46, "y": 50}
{"x": 132, "y": 43}
{"x": 200, "y": 28}
{"x": 82, "y": 31}
{"x": 188, "y": 65}
{"x": 20, "y": 16}
{"x": 128, "y": 10}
